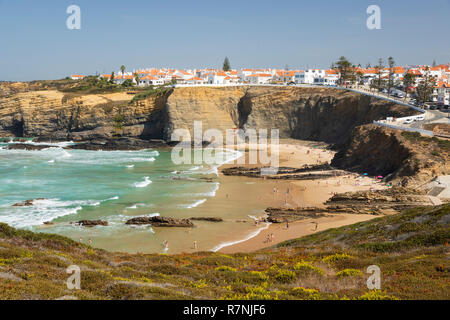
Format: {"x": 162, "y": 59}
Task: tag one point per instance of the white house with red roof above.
{"x": 310, "y": 76}
{"x": 217, "y": 77}
{"x": 150, "y": 81}
{"x": 76, "y": 77}
{"x": 442, "y": 90}
{"x": 259, "y": 78}
{"x": 195, "y": 80}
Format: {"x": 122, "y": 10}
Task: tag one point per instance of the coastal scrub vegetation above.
{"x": 151, "y": 91}
{"x": 410, "y": 248}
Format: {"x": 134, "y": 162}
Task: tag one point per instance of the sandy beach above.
{"x": 304, "y": 193}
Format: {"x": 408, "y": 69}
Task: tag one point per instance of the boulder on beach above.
{"x": 124, "y": 143}
{"x": 27, "y": 146}
{"x": 92, "y": 223}
{"x": 210, "y": 219}
{"x": 158, "y": 221}
{"x": 26, "y": 203}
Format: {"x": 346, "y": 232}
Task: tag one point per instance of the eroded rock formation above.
{"x": 324, "y": 114}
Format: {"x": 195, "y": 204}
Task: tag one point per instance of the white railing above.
{"x": 393, "y": 126}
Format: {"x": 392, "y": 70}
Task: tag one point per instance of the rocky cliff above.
{"x": 324, "y": 114}
{"x": 406, "y": 158}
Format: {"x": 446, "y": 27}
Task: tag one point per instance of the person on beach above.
{"x": 81, "y": 239}
{"x": 90, "y": 242}
{"x": 195, "y": 245}
{"x": 166, "y": 244}
{"x": 287, "y": 194}
{"x": 316, "y": 223}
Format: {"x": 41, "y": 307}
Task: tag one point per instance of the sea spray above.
{"x": 144, "y": 183}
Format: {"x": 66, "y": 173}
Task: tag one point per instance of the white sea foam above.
{"x": 213, "y": 192}
{"x": 230, "y": 243}
{"x": 144, "y": 183}
{"x": 130, "y": 166}
{"x": 195, "y": 204}
{"x": 135, "y": 206}
{"x": 61, "y": 144}
{"x": 44, "y": 210}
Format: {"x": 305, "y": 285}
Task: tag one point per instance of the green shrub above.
{"x": 376, "y": 295}
{"x": 303, "y": 293}
{"x": 285, "y": 276}
{"x": 225, "y": 268}
{"x": 348, "y": 273}
{"x": 151, "y": 92}
{"x": 336, "y": 257}
{"x": 307, "y": 268}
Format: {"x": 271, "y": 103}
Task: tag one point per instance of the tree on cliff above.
{"x": 122, "y": 69}
{"x": 425, "y": 87}
{"x": 345, "y": 69}
{"x": 359, "y": 75}
{"x": 390, "y": 83}
{"x": 408, "y": 82}
{"x": 136, "y": 78}
{"x": 379, "y": 69}
{"x": 226, "y": 64}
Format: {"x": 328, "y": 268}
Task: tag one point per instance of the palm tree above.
{"x": 136, "y": 78}
{"x": 122, "y": 68}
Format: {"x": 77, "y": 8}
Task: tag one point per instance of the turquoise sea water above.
{"x": 107, "y": 185}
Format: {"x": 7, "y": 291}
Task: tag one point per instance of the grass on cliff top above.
{"x": 327, "y": 265}
{"x": 416, "y": 137}
{"x": 151, "y": 92}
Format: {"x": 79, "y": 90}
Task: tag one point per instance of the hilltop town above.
{"x": 397, "y": 81}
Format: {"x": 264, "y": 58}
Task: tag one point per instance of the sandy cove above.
{"x": 305, "y": 193}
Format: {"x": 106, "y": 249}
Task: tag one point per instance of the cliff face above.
{"x": 403, "y": 157}
{"x": 322, "y": 114}
{"x": 54, "y": 114}
{"x": 216, "y": 108}
{"x": 305, "y": 113}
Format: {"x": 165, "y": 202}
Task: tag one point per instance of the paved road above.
{"x": 433, "y": 116}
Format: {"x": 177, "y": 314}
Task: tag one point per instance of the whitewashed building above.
{"x": 259, "y": 78}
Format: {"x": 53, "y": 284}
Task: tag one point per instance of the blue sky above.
{"x": 35, "y": 43}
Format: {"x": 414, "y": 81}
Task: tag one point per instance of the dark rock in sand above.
{"x": 27, "y": 146}
{"x": 210, "y": 219}
{"x": 282, "y": 215}
{"x": 92, "y": 223}
{"x": 26, "y": 203}
{"x": 307, "y": 172}
{"x": 161, "y": 222}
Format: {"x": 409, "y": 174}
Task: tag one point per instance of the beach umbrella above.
{"x": 365, "y": 173}
{"x": 380, "y": 177}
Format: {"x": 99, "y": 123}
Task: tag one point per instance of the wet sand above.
{"x": 294, "y": 153}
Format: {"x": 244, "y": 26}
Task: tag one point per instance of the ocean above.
{"x": 113, "y": 186}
